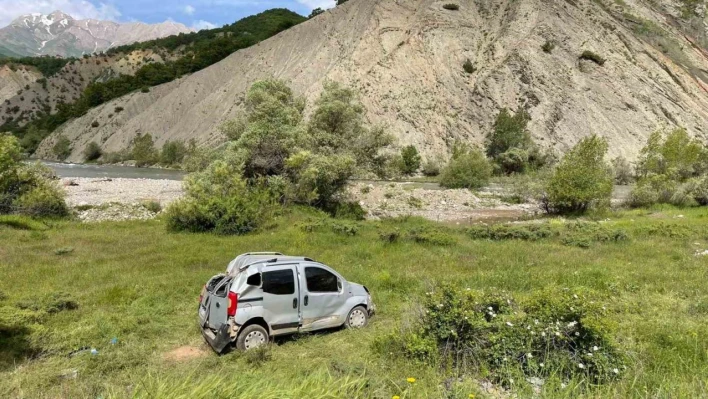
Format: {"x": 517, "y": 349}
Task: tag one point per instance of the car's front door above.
{"x": 281, "y": 305}
{"x": 322, "y": 297}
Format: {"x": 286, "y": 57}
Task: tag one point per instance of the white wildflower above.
{"x": 615, "y": 371}
{"x": 580, "y": 365}
{"x": 572, "y": 324}
{"x": 541, "y": 364}
{"x": 595, "y": 348}
{"x": 529, "y": 356}
{"x": 508, "y": 323}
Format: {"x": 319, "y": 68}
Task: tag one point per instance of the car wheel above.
{"x": 251, "y": 337}
{"x": 357, "y": 318}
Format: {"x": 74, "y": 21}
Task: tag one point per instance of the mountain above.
{"x": 617, "y": 69}
{"x": 58, "y": 34}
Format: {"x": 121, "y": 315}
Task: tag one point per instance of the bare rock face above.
{"x": 15, "y": 79}
{"x": 58, "y": 34}
{"x": 406, "y": 60}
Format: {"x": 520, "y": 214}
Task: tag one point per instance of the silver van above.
{"x": 263, "y": 295}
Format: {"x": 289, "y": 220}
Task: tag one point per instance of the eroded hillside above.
{"x": 406, "y": 59}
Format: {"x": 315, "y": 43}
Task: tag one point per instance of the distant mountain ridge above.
{"x": 58, "y": 34}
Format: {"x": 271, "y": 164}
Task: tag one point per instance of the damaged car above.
{"x": 267, "y": 294}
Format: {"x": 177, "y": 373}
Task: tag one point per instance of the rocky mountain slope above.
{"x": 14, "y": 79}
{"x": 406, "y": 59}
{"x": 60, "y": 34}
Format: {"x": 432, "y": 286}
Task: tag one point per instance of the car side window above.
{"x": 279, "y": 282}
{"x": 254, "y": 279}
{"x": 321, "y": 280}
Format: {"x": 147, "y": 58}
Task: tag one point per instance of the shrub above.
{"x": 674, "y": 154}
{"x": 432, "y": 236}
{"x": 451, "y": 6}
{"x": 27, "y": 189}
{"x": 118, "y": 110}
{"x": 410, "y": 160}
{"x": 622, "y": 171}
{"x": 92, "y": 152}
{"x": 62, "y": 148}
{"x": 552, "y": 333}
{"x": 590, "y": 56}
{"x": 95, "y": 124}
{"x": 173, "y": 153}
{"x": 431, "y": 167}
{"x": 219, "y": 200}
{"x": 500, "y": 232}
{"x": 152, "y": 206}
{"x": 583, "y": 179}
{"x": 468, "y": 66}
{"x": 468, "y": 168}
{"x": 548, "y": 46}
{"x": 143, "y": 150}
{"x": 145, "y": 89}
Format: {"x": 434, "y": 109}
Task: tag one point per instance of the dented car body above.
{"x": 263, "y": 295}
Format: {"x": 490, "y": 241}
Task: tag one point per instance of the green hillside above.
{"x": 195, "y": 51}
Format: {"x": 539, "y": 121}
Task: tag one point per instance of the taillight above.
{"x": 233, "y": 302}
{"x": 201, "y": 294}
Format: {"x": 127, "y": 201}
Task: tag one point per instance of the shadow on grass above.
{"x": 15, "y": 346}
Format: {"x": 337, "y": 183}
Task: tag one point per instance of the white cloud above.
{"x": 188, "y": 9}
{"x": 323, "y": 4}
{"x": 202, "y": 24}
{"x": 79, "y": 9}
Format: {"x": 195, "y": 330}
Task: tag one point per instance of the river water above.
{"x": 113, "y": 171}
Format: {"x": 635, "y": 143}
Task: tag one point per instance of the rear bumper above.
{"x": 217, "y": 340}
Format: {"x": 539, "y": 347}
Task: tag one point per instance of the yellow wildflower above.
{"x": 410, "y": 379}
{"x": 471, "y": 396}
{"x": 396, "y": 397}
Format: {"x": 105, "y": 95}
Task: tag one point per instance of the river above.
{"x": 69, "y": 170}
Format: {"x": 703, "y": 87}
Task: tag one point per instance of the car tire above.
{"x": 251, "y": 337}
{"x": 357, "y": 318}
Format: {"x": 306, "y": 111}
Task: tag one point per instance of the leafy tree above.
{"x": 582, "y": 180}
{"x": 173, "y": 153}
{"x": 468, "y": 168}
{"x": 143, "y": 150}
{"x": 410, "y": 160}
{"x": 62, "y": 148}
{"x": 622, "y": 170}
{"x": 677, "y": 155}
{"x": 92, "y": 152}
{"x": 317, "y": 11}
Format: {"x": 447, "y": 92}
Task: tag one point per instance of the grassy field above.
{"x": 135, "y": 282}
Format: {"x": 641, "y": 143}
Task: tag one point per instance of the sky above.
{"x": 198, "y": 14}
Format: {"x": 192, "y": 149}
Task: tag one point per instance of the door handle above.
{"x": 294, "y": 303}
{"x": 306, "y": 299}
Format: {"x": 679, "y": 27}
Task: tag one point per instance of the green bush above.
{"x": 591, "y": 56}
{"x": 468, "y": 66}
{"x": 622, "y": 171}
{"x": 582, "y": 180}
{"x": 92, "y": 152}
{"x": 468, "y": 168}
{"x": 62, "y": 148}
{"x": 501, "y": 232}
{"x": 410, "y": 160}
{"x": 143, "y": 150}
{"x": 451, "y": 6}
{"x": 548, "y": 46}
{"x": 219, "y": 200}
{"x": 552, "y": 333}
{"x": 431, "y": 167}
{"x": 173, "y": 153}
{"x": 27, "y": 189}
{"x": 427, "y": 235}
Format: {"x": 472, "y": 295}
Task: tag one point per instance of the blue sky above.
{"x": 193, "y": 13}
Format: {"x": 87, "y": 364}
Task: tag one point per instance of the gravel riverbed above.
{"x": 102, "y": 199}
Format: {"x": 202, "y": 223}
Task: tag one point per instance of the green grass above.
{"x": 139, "y": 284}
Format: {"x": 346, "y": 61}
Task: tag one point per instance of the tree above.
{"x": 143, "y": 150}
{"x": 317, "y": 11}
{"x": 173, "y": 153}
{"x": 582, "y": 180}
{"x": 677, "y": 155}
{"x": 410, "y": 160}
{"x": 62, "y": 148}
{"x": 92, "y": 152}
{"x": 468, "y": 168}
{"x": 622, "y": 170}
{"x": 510, "y": 146}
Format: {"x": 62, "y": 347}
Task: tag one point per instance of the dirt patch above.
{"x": 185, "y": 353}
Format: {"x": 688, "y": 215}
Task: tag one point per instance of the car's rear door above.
{"x": 214, "y": 303}
{"x": 322, "y": 297}
{"x": 281, "y": 305}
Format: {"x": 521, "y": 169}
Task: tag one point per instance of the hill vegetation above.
{"x": 194, "y": 51}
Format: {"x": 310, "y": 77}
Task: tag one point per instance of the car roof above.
{"x": 273, "y": 258}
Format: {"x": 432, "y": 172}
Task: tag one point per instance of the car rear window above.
{"x": 279, "y": 282}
